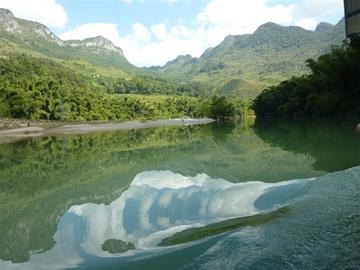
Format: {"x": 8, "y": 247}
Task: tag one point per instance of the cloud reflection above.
{"x": 155, "y": 206}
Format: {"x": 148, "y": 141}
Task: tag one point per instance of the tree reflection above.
{"x": 333, "y": 143}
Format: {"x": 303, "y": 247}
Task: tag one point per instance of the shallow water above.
{"x": 263, "y": 196}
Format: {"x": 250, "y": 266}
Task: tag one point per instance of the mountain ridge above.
{"x": 323, "y": 27}
{"x": 38, "y": 37}
{"x": 245, "y": 64}
{"x": 240, "y": 65}
{"x": 97, "y": 41}
{"x": 11, "y": 24}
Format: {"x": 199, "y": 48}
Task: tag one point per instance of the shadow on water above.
{"x": 333, "y": 144}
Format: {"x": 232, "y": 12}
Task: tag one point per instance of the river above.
{"x": 275, "y": 195}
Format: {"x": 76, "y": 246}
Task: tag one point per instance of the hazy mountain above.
{"x": 323, "y": 27}
{"x": 34, "y": 36}
{"x": 245, "y": 64}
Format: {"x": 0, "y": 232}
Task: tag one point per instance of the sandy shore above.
{"x": 13, "y": 134}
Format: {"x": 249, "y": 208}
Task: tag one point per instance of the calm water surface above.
{"x": 263, "y": 196}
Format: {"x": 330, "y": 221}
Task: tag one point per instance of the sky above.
{"x": 152, "y": 32}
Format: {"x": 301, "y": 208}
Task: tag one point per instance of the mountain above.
{"x": 33, "y": 36}
{"x": 16, "y": 26}
{"x": 323, "y": 27}
{"x": 245, "y": 64}
{"x": 242, "y": 64}
{"x": 97, "y": 44}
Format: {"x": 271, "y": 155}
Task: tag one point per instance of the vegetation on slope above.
{"x": 38, "y": 38}
{"x": 37, "y": 88}
{"x": 332, "y": 88}
{"x": 97, "y": 58}
{"x": 147, "y": 85}
{"x": 246, "y": 64}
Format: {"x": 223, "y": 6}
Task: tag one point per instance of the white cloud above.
{"x": 156, "y": 44}
{"x": 48, "y": 12}
{"x": 140, "y": 33}
{"x": 307, "y": 23}
{"x": 243, "y": 16}
{"x": 318, "y": 8}
{"x": 160, "y": 31}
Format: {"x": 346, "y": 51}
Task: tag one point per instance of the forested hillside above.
{"x": 37, "y": 88}
{"x": 331, "y": 89}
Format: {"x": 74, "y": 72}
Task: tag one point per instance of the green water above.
{"x": 107, "y": 200}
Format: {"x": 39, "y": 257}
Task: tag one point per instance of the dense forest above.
{"x": 150, "y": 85}
{"x": 39, "y": 88}
{"x": 332, "y": 88}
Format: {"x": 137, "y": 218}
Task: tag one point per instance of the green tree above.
{"x": 221, "y": 108}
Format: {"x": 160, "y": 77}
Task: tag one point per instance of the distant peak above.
{"x": 97, "y": 41}
{"x": 207, "y": 51}
{"x": 4, "y": 11}
{"x": 97, "y": 38}
{"x": 6, "y": 14}
{"x": 323, "y": 27}
{"x": 186, "y": 56}
{"x": 181, "y": 58}
{"x": 341, "y": 22}
{"x": 228, "y": 41}
{"x": 269, "y": 25}
{"x": 230, "y": 37}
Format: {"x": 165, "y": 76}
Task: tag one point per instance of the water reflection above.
{"x": 155, "y": 206}
{"x": 40, "y": 179}
{"x": 333, "y": 143}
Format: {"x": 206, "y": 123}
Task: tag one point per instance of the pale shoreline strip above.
{"x": 9, "y": 135}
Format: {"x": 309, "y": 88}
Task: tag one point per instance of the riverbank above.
{"x": 13, "y": 130}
